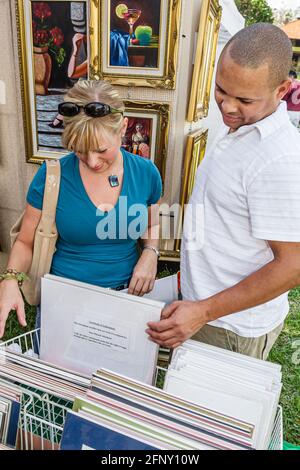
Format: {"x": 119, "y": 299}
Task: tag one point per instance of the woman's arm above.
{"x": 144, "y": 273}
{"x": 20, "y": 260}
{"x": 77, "y": 71}
{"x": 151, "y": 235}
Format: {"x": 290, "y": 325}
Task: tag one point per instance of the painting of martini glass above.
{"x": 135, "y": 29}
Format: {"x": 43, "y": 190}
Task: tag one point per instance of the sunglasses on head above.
{"x": 69, "y": 109}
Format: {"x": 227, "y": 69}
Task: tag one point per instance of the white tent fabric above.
{"x": 232, "y": 20}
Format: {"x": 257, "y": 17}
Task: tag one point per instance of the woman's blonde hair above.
{"x": 83, "y": 133}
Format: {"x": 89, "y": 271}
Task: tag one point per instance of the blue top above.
{"x": 95, "y": 247}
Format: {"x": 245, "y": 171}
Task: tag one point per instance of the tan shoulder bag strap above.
{"x": 51, "y": 192}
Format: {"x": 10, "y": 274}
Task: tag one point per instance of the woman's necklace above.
{"x": 113, "y": 181}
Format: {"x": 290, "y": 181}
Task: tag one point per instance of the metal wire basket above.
{"x": 43, "y": 415}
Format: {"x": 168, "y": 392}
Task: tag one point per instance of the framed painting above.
{"x": 138, "y": 42}
{"x": 210, "y": 20}
{"x": 54, "y": 53}
{"x": 148, "y": 131}
{"x": 194, "y": 154}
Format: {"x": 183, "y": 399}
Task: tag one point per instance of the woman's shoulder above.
{"x": 64, "y": 161}
{"x": 145, "y": 177}
{"x": 67, "y": 160}
{"x": 137, "y": 162}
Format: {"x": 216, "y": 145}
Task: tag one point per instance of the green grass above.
{"x": 285, "y": 352}
{"x": 12, "y": 325}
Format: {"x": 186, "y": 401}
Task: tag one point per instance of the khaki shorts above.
{"x": 226, "y": 339}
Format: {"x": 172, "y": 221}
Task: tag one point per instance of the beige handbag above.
{"x": 45, "y": 236}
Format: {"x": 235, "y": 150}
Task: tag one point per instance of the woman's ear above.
{"x": 124, "y": 127}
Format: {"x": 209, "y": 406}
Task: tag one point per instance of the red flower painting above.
{"x": 57, "y": 36}
{"x": 41, "y": 10}
{"x": 45, "y": 35}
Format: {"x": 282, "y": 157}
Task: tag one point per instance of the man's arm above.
{"x": 180, "y": 320}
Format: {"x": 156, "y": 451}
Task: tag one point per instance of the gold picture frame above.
{"x": 168, "y": 230}
{"x": 170, "y": 256}
{"x": 155, "y": 120}
{"x": 145, "y": 64}
{"x": 61, "y": 21}
{"x": 210, "y": 20}
{"x": 194, "y": 154}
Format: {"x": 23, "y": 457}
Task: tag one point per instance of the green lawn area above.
{"x": 287, "y": 353}
{"x": 284, "y": 353}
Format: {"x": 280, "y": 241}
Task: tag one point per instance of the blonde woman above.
{"x": 108, "y": 200}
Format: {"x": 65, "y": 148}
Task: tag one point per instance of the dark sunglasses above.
{"x": 69, "y": 109}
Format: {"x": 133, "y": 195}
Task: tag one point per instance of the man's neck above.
{"x": 249, "y": 124}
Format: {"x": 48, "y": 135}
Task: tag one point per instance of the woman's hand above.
{"x": 10, "y": 299}
{"x": 144, "y": 274}
{"x": 77, "y": 39}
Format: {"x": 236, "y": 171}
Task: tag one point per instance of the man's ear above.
{"x": 284, "y": 88}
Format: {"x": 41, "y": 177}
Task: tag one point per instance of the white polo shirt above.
{"x": 247, "y": 191}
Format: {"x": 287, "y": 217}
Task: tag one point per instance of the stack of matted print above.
{"x": 243, "y": 391}
{"x": 40, "y": 393}
{"x": 10, "y": 397}
{"x": 33, "y": 373}
{"x": 196, "y": 411}
{"x": 212, "y": 399}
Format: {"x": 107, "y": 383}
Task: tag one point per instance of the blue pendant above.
{"x": 113, "y": 181}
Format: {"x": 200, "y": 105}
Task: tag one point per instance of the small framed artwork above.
{"x": 54, "y": 53}
{"x": 210, "y": 20}
{"x": 138, "y": 42}
{"x": 194, "y": 154}
{"x": 148, "y": 131}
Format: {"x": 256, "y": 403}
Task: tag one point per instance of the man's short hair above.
{"x": 259, "y": 44}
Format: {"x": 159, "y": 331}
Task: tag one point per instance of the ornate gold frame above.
{"x": 162, "y": 110}
{"x": 210, "y": 20}
{"x": 26, "y": 74}
{"x": 168, "y": 255}
{"x": 194, "y": 154}
{"x": 167, "y": 80}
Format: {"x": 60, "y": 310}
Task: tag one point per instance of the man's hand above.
{"x": 179, "y": 321}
